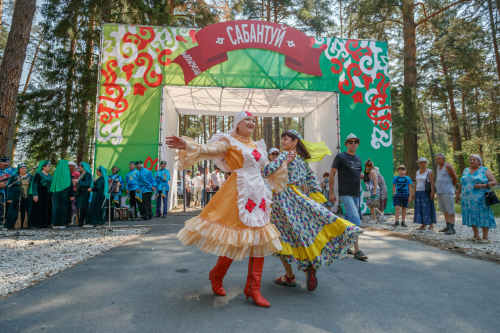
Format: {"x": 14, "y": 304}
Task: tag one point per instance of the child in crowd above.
{"x": 402, "y": 190}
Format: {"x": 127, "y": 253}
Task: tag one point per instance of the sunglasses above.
{"x": 353, "y": 142}
{"x": 274, "y": 154}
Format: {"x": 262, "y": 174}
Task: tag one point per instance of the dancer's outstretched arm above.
{"x": 189, "y": 152}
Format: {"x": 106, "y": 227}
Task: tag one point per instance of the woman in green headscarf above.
{"x": 83, "y": 183}
{"x": 19, "y": 198}
{"x": 41, "y": 206}
{"x": 62, "y": 195}
{"x": 95, "y": 213}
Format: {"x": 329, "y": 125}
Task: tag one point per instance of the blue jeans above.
{"x": 351, "y": 206}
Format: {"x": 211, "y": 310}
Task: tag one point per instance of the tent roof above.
{"x": 260, "y": 102}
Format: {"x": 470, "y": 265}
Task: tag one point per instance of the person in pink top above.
{"x": 75, "y": 174}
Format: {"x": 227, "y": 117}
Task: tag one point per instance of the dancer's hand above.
{"x": 290, "y": 157}
{"x": 175, "y": 142}
{"x": 35, "y": 199}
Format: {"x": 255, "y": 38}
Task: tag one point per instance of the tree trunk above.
{"x": 478, "y": 116}
{"x": 11, "y": 147}
{"x": 464, "y": 115}
{"x": 12, "y": 64}
{"x": 268, "y": 132}
{"x": 428, "y": 139}
{"x": 494, "y": 37}
{"x": 432, "y": 124}
{"x": 87, "y": 95}
{"x": 68, "y": 96}
{"x": 454, "y": 126}
{"x": 410, "y": 90}
{"x": 277, "y": 132}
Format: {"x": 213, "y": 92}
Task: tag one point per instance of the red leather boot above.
{"x": 252, "y": 288}
{"x": 217, "y": 274}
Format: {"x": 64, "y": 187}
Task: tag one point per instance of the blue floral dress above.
{"x": 474, "y": 209}
{"x": 310, "y": 233}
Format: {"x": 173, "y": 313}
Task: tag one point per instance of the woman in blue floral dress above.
{"x": 311, "y": 235}
{"x": 475, "y": 213}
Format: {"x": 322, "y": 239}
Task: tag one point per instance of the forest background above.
{"x": 445, "y": 70}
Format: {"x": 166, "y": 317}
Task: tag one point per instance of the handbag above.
{"x": 428, "y": 188}
{"x": 490, "y": 197}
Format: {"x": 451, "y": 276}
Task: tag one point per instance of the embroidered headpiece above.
{"x": 237, "y": 119}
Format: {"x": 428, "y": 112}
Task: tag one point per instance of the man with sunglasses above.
{"x": 349, "y": 168}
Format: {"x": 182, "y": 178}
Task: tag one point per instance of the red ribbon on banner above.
{"x": 214, "y": 41}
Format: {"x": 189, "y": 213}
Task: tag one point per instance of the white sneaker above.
{"x": 382, "y": 217}
{"x": 88, "y": 226}
{"x": 62, "y": 227}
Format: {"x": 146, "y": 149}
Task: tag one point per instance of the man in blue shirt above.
{"x": 147, "y": 185}
{"x": 162, "y": 177}
{"x": 131, "y": 185}
{"x": 116, "y": 196}
{"x": 401, "y": 190}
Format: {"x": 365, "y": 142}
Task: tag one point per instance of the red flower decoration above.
{"x": 263, "y": 205}
{"x": 249, "y": 114}
{"x": 256, "y": 154}
{"x": 250, "y": 205}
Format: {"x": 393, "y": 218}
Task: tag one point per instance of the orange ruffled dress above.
{"x": 236, "y": 222}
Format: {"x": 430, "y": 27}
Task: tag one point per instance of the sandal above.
{"x": 421, "y": 228}
{"x": 473, "y": 239}
{"x": 484, "y": 241}
{"x": 312, "y": 281}
{"x": 349, "y": 251}
{"x": 360, "y": 256}
{"x": 287, "y": 282}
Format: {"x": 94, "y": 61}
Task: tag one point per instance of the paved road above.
{"x": 404, "y": 287}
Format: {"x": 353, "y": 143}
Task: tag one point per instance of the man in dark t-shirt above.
{"x": 348, "y": 166}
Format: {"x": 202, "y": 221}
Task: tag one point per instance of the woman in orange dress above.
{"x": 236, "y": 222}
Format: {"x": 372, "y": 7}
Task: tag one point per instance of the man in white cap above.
{"x": 348, "y": 165}
{"x": 446, "y": 183}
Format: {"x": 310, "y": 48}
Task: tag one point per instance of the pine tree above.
{"x": 12, "y": 64}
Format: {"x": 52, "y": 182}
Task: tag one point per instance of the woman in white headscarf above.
{"x": 233, "y": 229}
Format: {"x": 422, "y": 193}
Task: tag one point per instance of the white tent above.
{"x": 319, "y": 109}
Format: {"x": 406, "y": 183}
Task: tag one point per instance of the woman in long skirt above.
{"x": 311, "y": 235}
{"x": 83, "y": 183}
{"x": 425, "y": 212}
{"x": 235, "y": 224}
{"x": 19, "y": 198}
{"x": 62, "y": 195}
{"x": 95, "y": 213}
{"x": 41, "y": 206}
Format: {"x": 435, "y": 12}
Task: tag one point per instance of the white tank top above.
{"x": 420, "y": 179}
